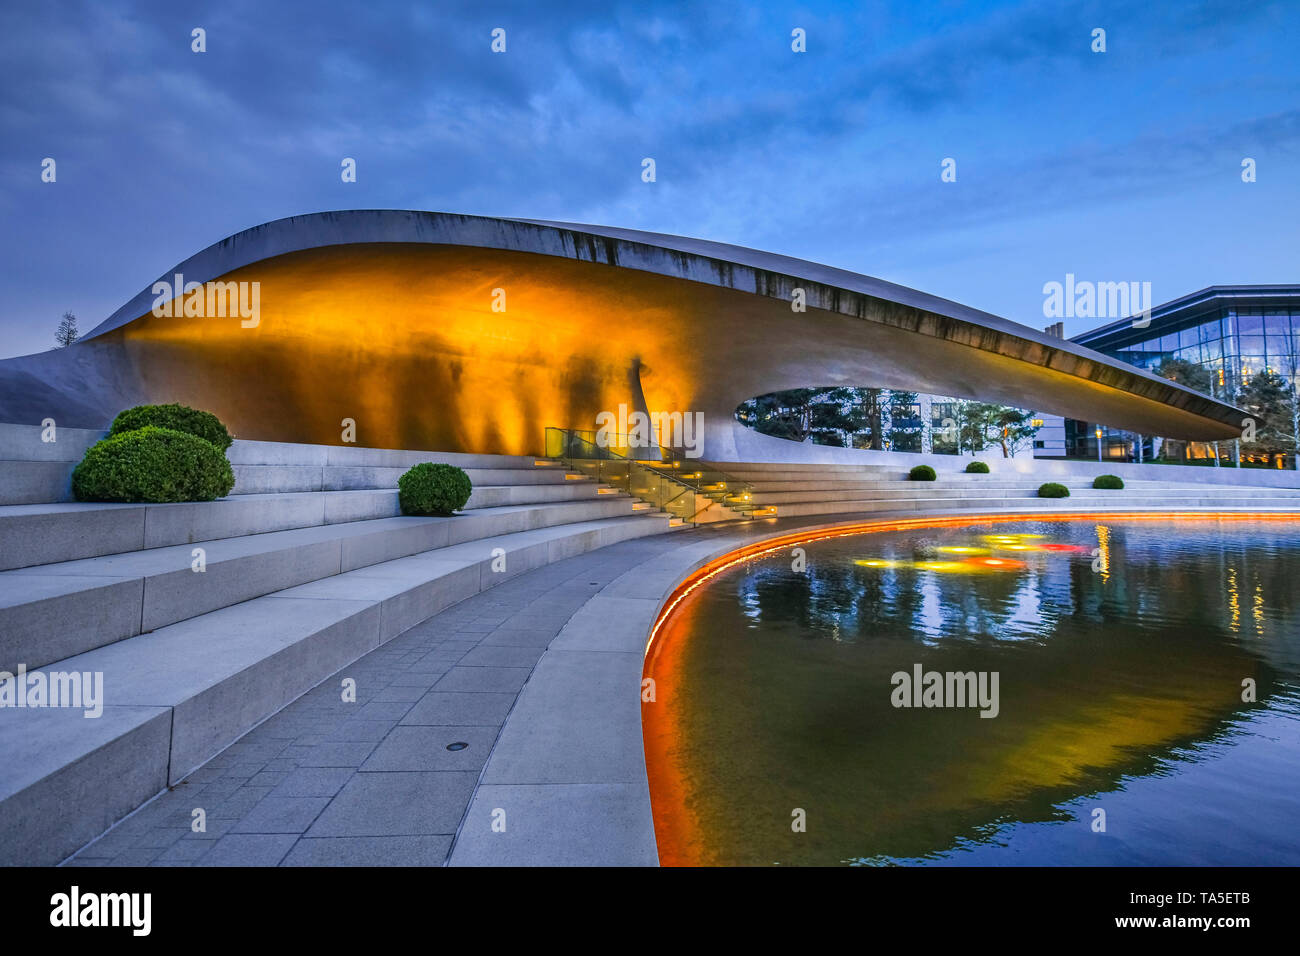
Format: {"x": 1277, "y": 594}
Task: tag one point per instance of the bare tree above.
{"x": 67, "y": 332}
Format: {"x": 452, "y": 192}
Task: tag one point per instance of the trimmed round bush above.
{"x": 433, "y": 489}
{"x": 977, "y": 468}
{"x": 922, "y": 473}
{"x": 152, "y": 464}
{"x": 1113, "y": 482}
{"x": 1053, "y": 489}
{"x": 180, "y": 418}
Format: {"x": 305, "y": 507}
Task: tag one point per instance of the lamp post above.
{"x": 1098, "y": 442}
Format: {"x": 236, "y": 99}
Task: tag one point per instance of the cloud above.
{"x": 831, "y": 155}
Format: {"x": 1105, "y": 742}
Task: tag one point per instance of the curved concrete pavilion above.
{"x": 386, "y": 317}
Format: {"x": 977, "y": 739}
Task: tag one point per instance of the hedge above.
{"x": 152, "y": 464}
{"x": 922, "y": 473}
{"x": 1113, "y": 482}
{"x": 1053, "y": 489}
{"x": 977, "y": 468}
{"x": 179, "y": 418}
{"x": 433, "y": 489}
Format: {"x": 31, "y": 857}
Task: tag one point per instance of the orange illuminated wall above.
{"x": 403, "y": 339}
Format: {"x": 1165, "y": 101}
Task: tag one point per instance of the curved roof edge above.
{"x": 697, "y": 260}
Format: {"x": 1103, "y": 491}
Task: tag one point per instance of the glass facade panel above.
{"x": 1277, "y": 347}
{"x": 1233, "y": 346}
{"x": 1249, "y": 323}
{"x": 1277, "y": 324}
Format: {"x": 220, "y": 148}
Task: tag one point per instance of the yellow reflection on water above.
{"x": 1103, "y": 551}
{"x": 1234, "y": 602}
{"x": 1259, "y": 610}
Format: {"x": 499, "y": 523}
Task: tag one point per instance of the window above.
{"x": 1277, "y": 341}
{"x": 1248, "y": 324}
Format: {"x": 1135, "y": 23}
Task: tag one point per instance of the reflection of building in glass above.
{"x": 1233, "y": 332}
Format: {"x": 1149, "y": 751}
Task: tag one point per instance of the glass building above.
{"x": 1234, "y": 332}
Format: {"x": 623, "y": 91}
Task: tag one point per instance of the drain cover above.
{"x": 458, "y": 745}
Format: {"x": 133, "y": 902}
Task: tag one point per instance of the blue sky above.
{"x": 1115, "y": 166}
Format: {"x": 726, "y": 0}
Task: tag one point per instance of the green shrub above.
{"x": 977, "y": 468}
{"x": 152, "y": 464}
{"x": 922, "y": 473}
{"x": 433, "y": 489}
{"x": 1108, "y": 481}
{"x": 1053, "y": 489}
{"x": 180, "y": 418}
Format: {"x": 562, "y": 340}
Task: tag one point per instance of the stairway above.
{"x": 798, "y": 490}
{"x": 305, "y": 567}
{"x": 693, "y": 492}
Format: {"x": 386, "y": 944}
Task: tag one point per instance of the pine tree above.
{"x": 1267, "y": 397}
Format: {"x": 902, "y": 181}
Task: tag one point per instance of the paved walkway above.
{"x": 373, "y": 783}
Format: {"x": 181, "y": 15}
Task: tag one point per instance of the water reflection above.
{"x": 1122, "y": 649}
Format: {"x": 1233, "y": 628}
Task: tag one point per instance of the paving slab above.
{"x": 558, "y": 825}
{"x": 397, "y": 804}
{"x": 369, "y": 851}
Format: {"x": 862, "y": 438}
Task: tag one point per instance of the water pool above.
{"x": 1123, "y": 651}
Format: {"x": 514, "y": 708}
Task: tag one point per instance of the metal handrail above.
{"x": 649, "y": 475}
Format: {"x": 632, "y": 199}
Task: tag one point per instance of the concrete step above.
{"x": 255, "y": 479}
{"x": 1099, "y": 501}
{"x": 49, "y": 533}
{"x": 52, "y": 611}
{"x": 821, "y": 483}
{"x": 30, "y": 482}
{"x": 737, "y": 468}
{"x": 35, "y": 471}
{"x": 179, "y": 695}
{"x": 939, "y": 495}
{"x": 943, "y": 495}
{"x": 815, "y": 481}
{"x": 290, "y": 453}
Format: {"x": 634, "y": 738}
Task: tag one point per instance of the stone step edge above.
{"x": 101, "y": 529}
{"x": 56, "y": 609}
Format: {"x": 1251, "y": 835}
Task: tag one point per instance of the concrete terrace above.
{"x": 224, "y": 689}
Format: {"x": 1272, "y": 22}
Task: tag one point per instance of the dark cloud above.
{"x": 830, "y": 155}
